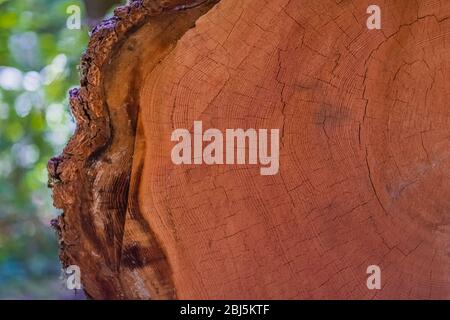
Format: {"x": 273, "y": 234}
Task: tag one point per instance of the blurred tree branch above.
{"x": 96, "y": 9}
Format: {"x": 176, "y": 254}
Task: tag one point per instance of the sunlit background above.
{"x": 38, "y": 65}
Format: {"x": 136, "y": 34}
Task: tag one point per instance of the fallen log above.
{"x": 364, "y": 127}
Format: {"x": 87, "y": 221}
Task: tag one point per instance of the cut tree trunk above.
{"x": 364, "y": 120}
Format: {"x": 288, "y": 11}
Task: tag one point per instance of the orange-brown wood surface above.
{"x": 364, "y": 152}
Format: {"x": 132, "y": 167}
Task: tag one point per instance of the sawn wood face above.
{"x": 363, "y": 179}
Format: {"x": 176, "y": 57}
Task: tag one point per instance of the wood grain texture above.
{"x": 364, "y": 152}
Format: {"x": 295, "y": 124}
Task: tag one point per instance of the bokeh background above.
{"x": 39, "y": 56}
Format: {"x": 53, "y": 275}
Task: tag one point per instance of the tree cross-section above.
{"x": 364, "y": 154}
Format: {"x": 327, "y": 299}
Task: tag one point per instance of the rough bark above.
{"x": 364, "y": 154}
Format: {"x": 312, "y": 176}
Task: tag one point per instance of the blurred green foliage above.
{"x": 38, "y": 65}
